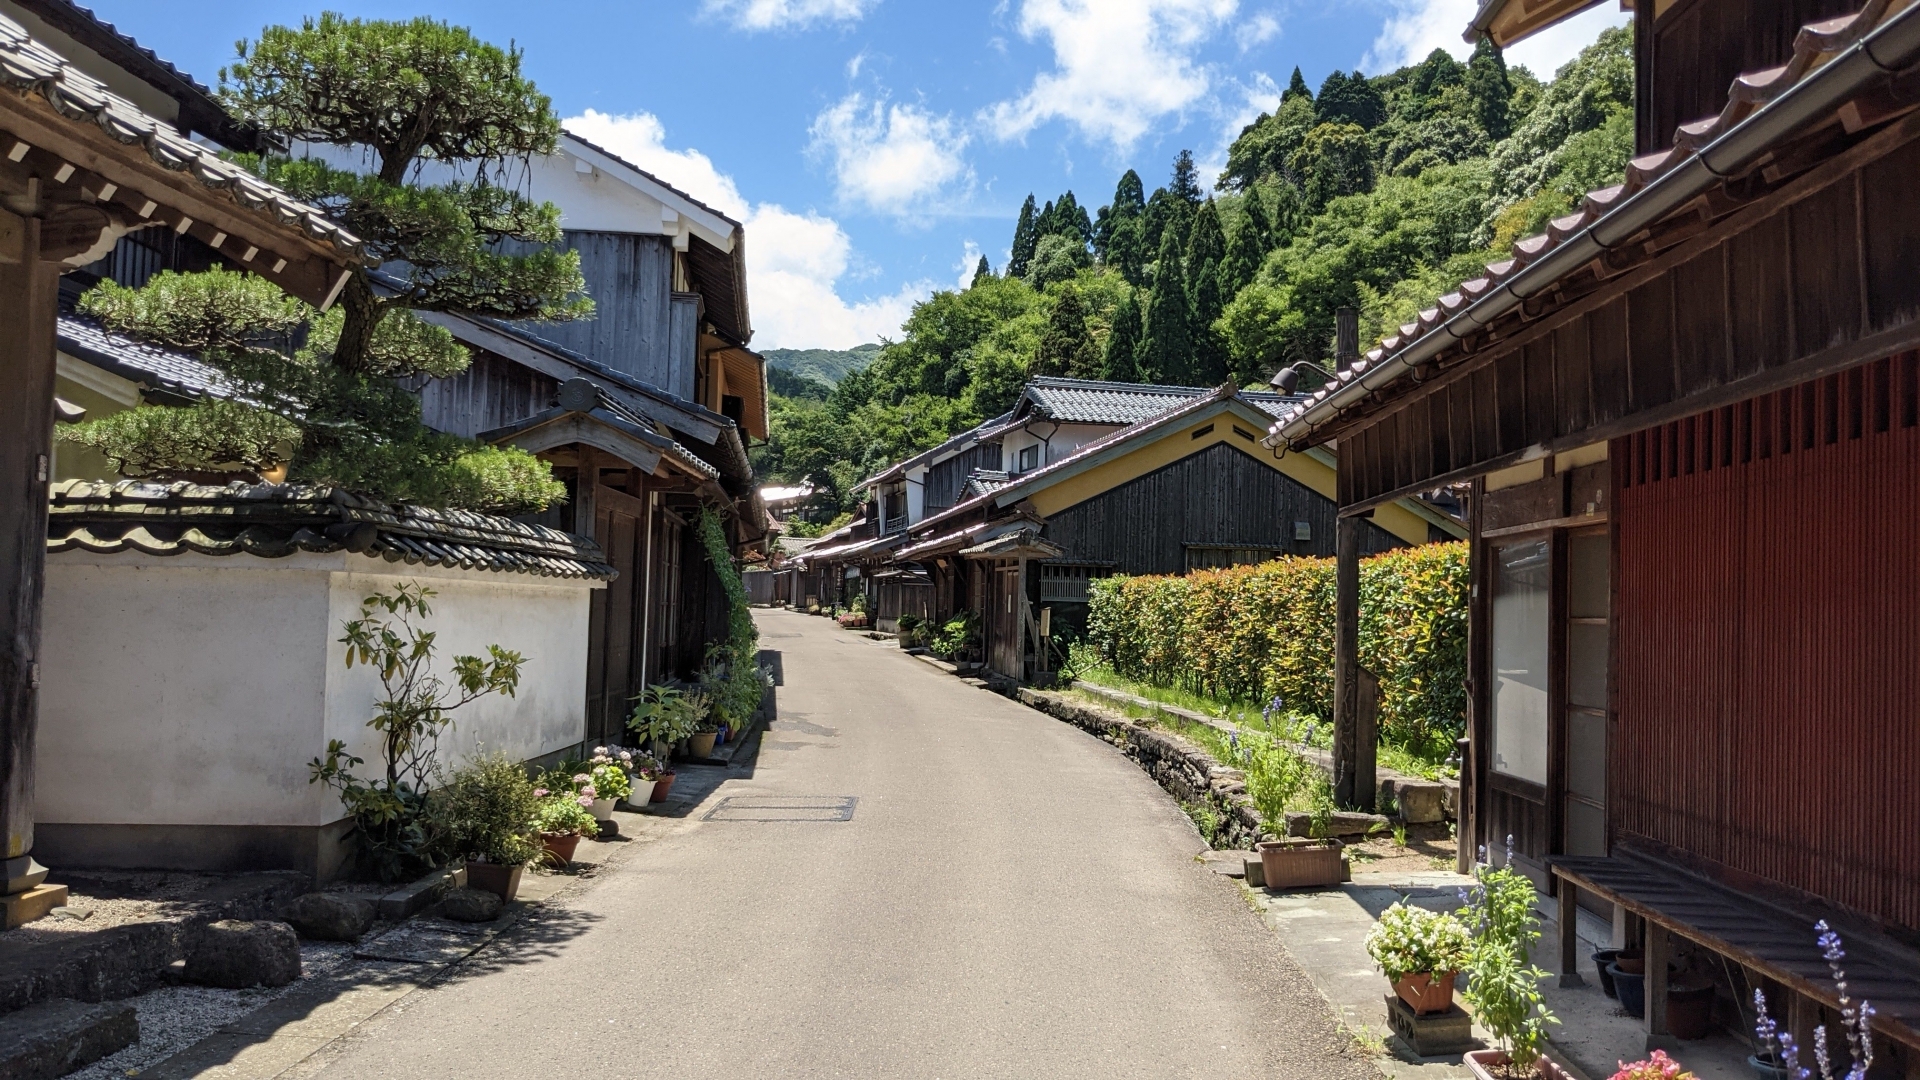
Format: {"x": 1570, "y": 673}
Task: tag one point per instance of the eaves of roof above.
{"x": 955, "y": 444}
{"x": 277, "y": 520}
{"x": 1833, "y": 63}
{"x": 150, "y": 365}
{"x": 28, "y": 67}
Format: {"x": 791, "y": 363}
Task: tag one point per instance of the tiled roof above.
{"x": 277, "y": 520}
{"x": 1814, "y": 46}
{"x": 158, "y": 368}
{"x": 982, "y": 481}
{"x": 30, "y": 67}
{"x": 1085, "y": 401}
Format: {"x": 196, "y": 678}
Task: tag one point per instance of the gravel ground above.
{"x": 173, "y": 1018}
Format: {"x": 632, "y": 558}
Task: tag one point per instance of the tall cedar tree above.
{"x": 1025, "y": 236}
{"x": 1120, "y": 361}
{"x": 1166, "y": 355}
{"x": 1118, "y": 237}
{"x": 1296, "y": 87}
{"x": 1247, "y": 247}
{"x": 1490, "y": 89}
{"x": 1206, "y": 251}
{"x": 1171, "y": 208}
{"x": 333, "y": 409}
{"x": 1350, "y": 99}
{"x": 1065, "y": 347}
{"x": 981, "y": 272}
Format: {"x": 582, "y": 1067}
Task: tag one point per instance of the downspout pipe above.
{"x": 1890, "y": 48}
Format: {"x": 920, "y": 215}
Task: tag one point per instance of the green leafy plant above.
{"x": 666, "y": 714}
{"x": 610, "y": 780}
{"x": 958, "y": 637}
{"x": 393, "y": 823}
{"x": 1410, "y": 940}
{"x": 731, "y": 677}
{"x": 1276, "y": 775}
{"x": 557, "y": 814}
{"x": 488, "y": 808}
{"x": 1503, "y": 985}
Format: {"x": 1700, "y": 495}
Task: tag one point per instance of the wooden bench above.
{"x": 1770, "y": 939}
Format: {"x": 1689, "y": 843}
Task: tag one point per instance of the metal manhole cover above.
{"x": 784, "y": 808}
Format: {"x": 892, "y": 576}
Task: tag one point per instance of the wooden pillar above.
{"x": 1569, "y": 916}
{"x": 1659, "y": 951}
{"x": 585, "y": 480}
{"x": 1346, "y": 658}
{"x": 1366, "y": 739}
{"x": 28, "y": 299}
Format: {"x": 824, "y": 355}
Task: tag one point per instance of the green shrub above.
{"x": 1253, "y": 633}
{"x": 487, "y": 808}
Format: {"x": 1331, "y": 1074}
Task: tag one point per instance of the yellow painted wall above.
{"x": 72, "y": 461}
{"x": 1179, "y": 443}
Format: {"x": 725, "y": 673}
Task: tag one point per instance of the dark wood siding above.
{"x": 944, "y": 479}
{"x": 1221, "y": 496}
{"x": 1696, "y": 49}
{"x": 1814, "y": 286}
{"x": 630, "y": 278}
{"x": 1765, "y": 663}
{"x": 491, "y": 393}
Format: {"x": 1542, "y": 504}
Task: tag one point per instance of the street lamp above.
{"x": 1287, "y": 378}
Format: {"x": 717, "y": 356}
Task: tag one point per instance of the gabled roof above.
{"x": 1089, "y": 401}
{"x": 1834, "y": 62}
{"x": 276, "y": 520}
{"x": 150, "y": 365}
{"x": 954, "y": 445}
{"x": 984, "y": 481}
{"x": 586, "y": 413}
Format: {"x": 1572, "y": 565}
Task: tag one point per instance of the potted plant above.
{"x": 642, "y": 771}
{"x": 662, "y": 779}
{"x": 1421, "y": 953}
{"x": 561, "y": 821}
{"x": 610, "y": 784}
{"x": 485, "y": 809}
{"x": 1276, "y": 775}
{"x": 1779, "y": 1053}
{"x": 665, "y": 715}
{"x": 1503, "y": 985}
{"x": 1657, "y": 1066}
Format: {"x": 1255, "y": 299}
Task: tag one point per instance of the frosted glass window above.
{"x": 1521, "y": 587}
{"x": 1587, "y": 665}
{"x": 1587, "y": 756}
{"x": 1587, "y": 576}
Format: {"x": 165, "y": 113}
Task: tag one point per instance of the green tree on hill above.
{"x": 1166, "y": 353}
{"x": 1119, "y": 361}
{"x": 1025, "y": 236}
{"x": 1066, "y": 348}
{"x": 1119, "y": 237}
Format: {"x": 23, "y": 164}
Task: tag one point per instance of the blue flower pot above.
{"x": 1631, "y": 988}
{"x": 1602, "y": 960}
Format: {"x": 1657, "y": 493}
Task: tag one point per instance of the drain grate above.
{"x": 784, "y": 808}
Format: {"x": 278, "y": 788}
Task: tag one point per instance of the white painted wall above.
{"x": 1059, "y": 441}
{"x": 194, "y": 689}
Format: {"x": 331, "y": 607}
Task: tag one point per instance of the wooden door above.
{"x": 617, "y": 626}
{"x": 1003, "y": 641}
{"x": 1519, "y": 700}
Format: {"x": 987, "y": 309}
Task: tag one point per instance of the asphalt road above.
{"x": 1011, "y": 898}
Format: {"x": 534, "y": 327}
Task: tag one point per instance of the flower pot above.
{"x": 1690, "y": 1010}
{"x": 1492, "y": 1065}
{"x": 720, "y": 737}
{"x": 1602, "y": 958}
{"x": 560, "y": 847}
{"x": 1426, "y": 992}
{"x": 1767, "y": 1067}
{"x": 642, "y": 791}
{"x": 502, "y": 881}
{"x": 602, "y": 809}
{"x": 1294, "y": 864}
{"x": 700, "y": 744}
{"x": 1632, "y": 961}
{"x": 1631, "y": 987}
{"x": 660, "y": 788}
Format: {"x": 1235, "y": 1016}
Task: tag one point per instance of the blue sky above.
{"x": 875, "y": 148}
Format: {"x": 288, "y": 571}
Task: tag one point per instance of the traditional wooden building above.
{"x": 1114, "y": 478}
{"x": 1690, "y": 416}
{"x": 82, "y": 166}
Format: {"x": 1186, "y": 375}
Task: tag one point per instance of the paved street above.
{"x": 1011, "y": 898}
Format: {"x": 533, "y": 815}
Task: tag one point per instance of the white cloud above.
{"x": 1119, "y": 65}
{"x": 794, "y": 261}
{"x": 969, "y": 262}
{"x": 1417, "y": 27}
{"x": 782, "y": 14}
{"x": 1261, "y": 95}
{"x": 1258, "y": 30}
{"x": 892, "y": 158}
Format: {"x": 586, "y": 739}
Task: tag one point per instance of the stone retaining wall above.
{"x": 1183, "y": 768}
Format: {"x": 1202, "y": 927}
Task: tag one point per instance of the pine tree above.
{"x": 1025, "y": 237}
{"x": 1490, "y": 90}
{"x": 400, "y": 92}
{"x": 1117, "y": 234}
{"x": 1043, "y": 224}
{"x": 1070, "y": 219}
{"x": 1246, "y": 248}
{"x": 1065, "y": 347}
{"x": 1350, "y": 99}
{"x": 1166, "y": 353}
{"x": 1119, "y": 364}
{"x": 1186, "y": 180}
{"x": 981, "y": 272}
{"x": 1296, "y": 87}
{"x": 1211, "y": 360}
{"x": 1206, "y": 241}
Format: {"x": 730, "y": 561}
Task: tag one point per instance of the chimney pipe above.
{"x": 1346, "y": 337}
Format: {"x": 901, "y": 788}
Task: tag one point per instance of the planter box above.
{"x": 1479, "y": 1062}
{"x": 1297, "y": 864}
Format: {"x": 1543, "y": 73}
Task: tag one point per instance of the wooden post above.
{"x": 1366, "y": 738}
{"x": 586, "y": 478}
{"x": 1570, "y": 935}
{"x": 1346, "y": 658}
{"x": 28, "y": 307}
{"x": 1658, "y": 950}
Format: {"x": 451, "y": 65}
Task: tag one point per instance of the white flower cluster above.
{"x": 1410, "y": 940}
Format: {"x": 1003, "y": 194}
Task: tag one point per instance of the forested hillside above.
{"x": 1376, "y": 193}
{"x": 826, "y": 365}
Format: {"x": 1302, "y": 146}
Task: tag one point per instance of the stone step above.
{"x": 54, "y": 1038}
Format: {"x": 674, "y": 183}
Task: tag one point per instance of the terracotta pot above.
{"x": 660, "y": 788}
{"x": 1690, "y": 1010}
{"x": 642, "y": 791}
{"x": 602, "y": 809}
{"x": 1481, "y": 1063}
{"x": 1293, "y": 864}
{"x": 1632, "y": 961}
{"x": 700, "y": 744}
{"x": 1426, "y": 992}
{"x": 560, "y": 846}
{"x": 501, "y": 881}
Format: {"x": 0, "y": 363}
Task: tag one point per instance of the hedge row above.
{"x": 1251, "y": 633}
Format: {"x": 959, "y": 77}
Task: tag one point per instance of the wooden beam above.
{"x": 1346, "y": 658}
{"x": 586, "y": 485}
{"x": 28, "y": 307}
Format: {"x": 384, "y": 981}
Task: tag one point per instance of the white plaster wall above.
{"x": 194, "y": 689}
